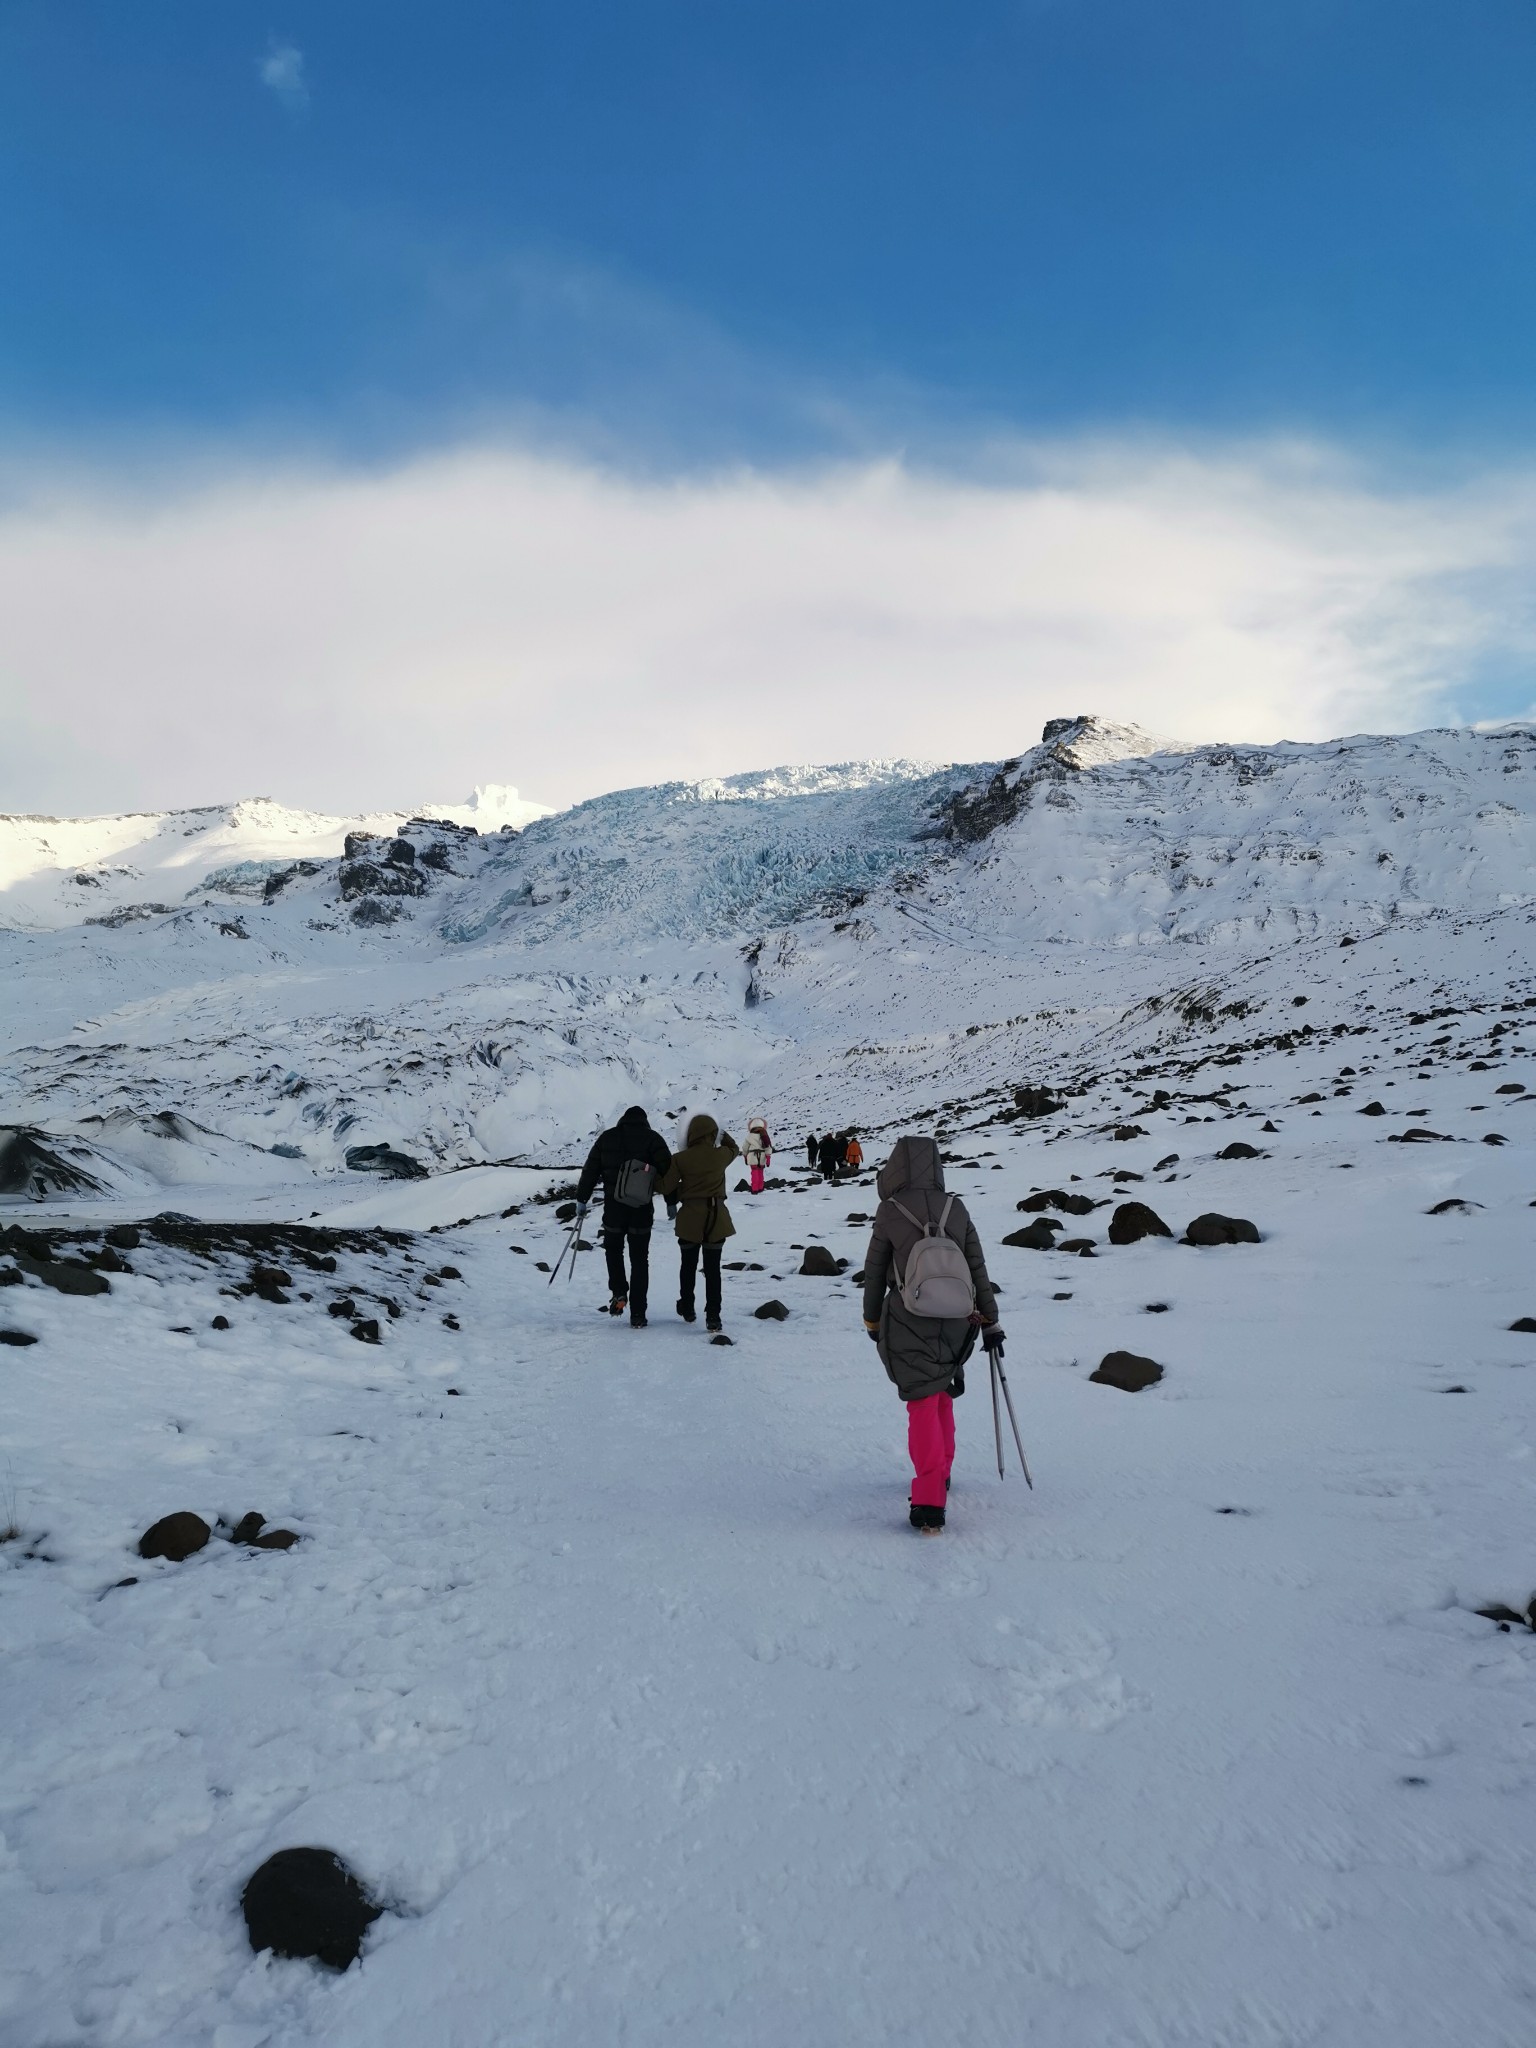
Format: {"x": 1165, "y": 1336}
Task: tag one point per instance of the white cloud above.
{"x": 282, "y": 68}
{"x": 368, "y": 638}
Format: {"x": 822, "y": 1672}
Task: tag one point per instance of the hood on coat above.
{"x": 702, "y": 1130}
{"x": 914, "y": 1163}
{"x": 634, "y": 1115}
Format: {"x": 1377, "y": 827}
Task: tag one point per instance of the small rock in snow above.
{"x": 17, "y": 1337}
{"x": 174, "y": 1536}
{"x": 772, "y": 1312}
{"x": 1133, "y": 1221}
{"x": 1213, "y": 1229}
{"x": 306, "y": 1902}
{"x": 1123, "y": 1369}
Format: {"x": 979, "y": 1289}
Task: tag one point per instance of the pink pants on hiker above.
{"x": 756, "y": 1177}
{"x": 931, "y": 1441}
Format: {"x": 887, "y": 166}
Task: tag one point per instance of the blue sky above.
{"x": 756, "y": 229}
{"x": 479, "y": 390}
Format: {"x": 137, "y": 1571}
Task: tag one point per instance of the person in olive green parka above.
{"x": 695, "y": 1181}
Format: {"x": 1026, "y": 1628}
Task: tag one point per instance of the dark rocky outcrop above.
{"x": 1032, "y": 1102}
{"x": 772, "y": 1312}
{"x": 38, "y": 1171}
{"x": 1213, "y": 1229}
{"x": 384, "y": 1159}
{"x": 306, "y": 1902}
{"x": 387, "y": 877}
{"x": 1125, "y": 1131}
{"x": 1123, "y": 1369}
{"x": 1133, "y": 1221}
{"x": 64, "y": 1276}
{"x": 1526, "y": 1325}
{"x": 174, "y": 1536}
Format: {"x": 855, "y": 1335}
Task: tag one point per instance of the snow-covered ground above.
{"x": 607, "y": 1657}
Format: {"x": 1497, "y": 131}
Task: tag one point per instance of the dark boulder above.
{"x": 1238, "y": 1150}
{"x": 1079, "y": 1247}
{"x": 384, "y": 1159}
{"x": 1038, "y": 1236}
{"x": 306, "y": 1902}
{"x": 124, "y": 1237}
{"x": 1133, "y": 1221}
{"x": 1124, "y": 1131}
{"x": 64, "y": 1276}
{"x": 1032, "y": 1102}
{"x": 17, "y": 1337}
{"x": 1373, "y": 1109}
{"x": 1453, "y": 1205}
{"x": 819, "y": 1262}
{"x": 566, "y": 1211}
{"x": 1213, "y": 1229}
{"x": 1058, "y": 1198}
{"x": 269, "y": 1281}
{"x": 772, "y": 1312}
{"x": 366, "y": 1332}
{"x": 248, "y": 1528}
{"x": 219, "y": 1323}
{"x": 721, "y": 1338}
{"x": 1123, "y": 1369}
{"x": 1526, "y": 1325}
{"x": 174, "y": 1536}
{"x": 1510, "y": 1088}
{"x": 277, "y": 1539}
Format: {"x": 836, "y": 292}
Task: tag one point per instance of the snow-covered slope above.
{"x": 605, "y": 1656}
{"x": 817, "y": 943}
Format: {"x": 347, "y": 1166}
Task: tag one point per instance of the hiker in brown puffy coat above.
{"x": 924, "y": 1355}
{"x": 696, "y": 1181}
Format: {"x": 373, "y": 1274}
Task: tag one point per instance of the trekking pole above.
{"x": 566, "y": 1247}
{"x": 995, "y": 1359}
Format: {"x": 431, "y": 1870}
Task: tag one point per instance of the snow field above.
{"x": 620, "y": 1677}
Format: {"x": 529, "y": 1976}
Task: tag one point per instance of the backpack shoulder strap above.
{"x": 902, "y": 1210}
{"x": 944, "y": 1215}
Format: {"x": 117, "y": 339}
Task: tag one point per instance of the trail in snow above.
{"x": 619, "y": 1675}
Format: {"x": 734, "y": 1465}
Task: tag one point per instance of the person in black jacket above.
{"x": 629, "y": 1160}
{"x": 811, "y": 1144}
{"x": 826, "y": 1156}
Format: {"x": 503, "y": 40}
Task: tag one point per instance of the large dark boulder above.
{"x": 1125, "y": 1131}
{"x": 1133, "y": 1221}
{"x": 306, "y": 1902}
{"x": 1058, "y": 1198}
{"x": 1033, "y": 1102}
{"x": 772, "y": 1312}
{"x": 1123, "y": 1369}
{"x": 64, "y": 1276}
{"x": 819, "y": 1262}
{"x": 1213, "y": 1229}
{"x": 384, "y": 1159}
{"x": 1239, "y": 1150}
{"x": 1038, "y": 1236}
{"x": 174, "y": 1536}
{"x": 19, "y": 1337}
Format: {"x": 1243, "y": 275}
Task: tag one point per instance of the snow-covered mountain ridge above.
{"x": 827, "y": 943}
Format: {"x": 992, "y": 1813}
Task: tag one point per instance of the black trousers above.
{"x": 689, "y": 1270}
{"x": 637, "y": 1284}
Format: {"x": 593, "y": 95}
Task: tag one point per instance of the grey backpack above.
{"x": 636, "y": 1184}
{"x": 937, "y": 1282}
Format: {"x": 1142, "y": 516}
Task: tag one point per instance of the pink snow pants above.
{"x": 931, "y": 1441}
{"x": 757, "y": 1180}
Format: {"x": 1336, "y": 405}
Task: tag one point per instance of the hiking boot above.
{"x": 686, "y": 1310}
{"x": 927, "y": 1521}
{"x": 619, "y": 1303}
{"x": 637, "y": 1319}
{"x": 711, "y": 1323}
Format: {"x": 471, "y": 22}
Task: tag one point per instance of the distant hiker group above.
{"x": 927, "y": 1294}
{"x": 836, "y": 1154}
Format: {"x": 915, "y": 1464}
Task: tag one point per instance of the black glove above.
{"x": 957, "y": 1384}
{"x": 992, "y": 1339}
